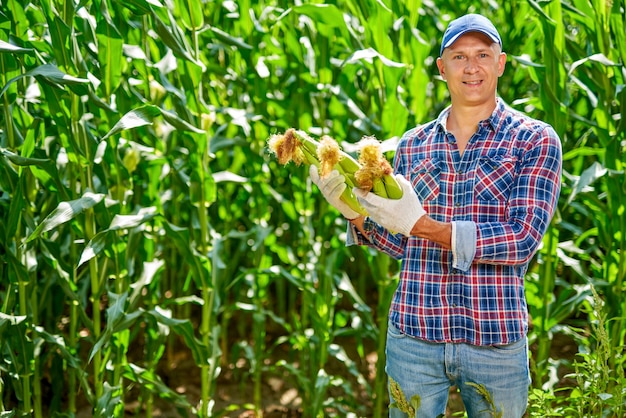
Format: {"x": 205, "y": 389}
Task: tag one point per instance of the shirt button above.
{"x": 457, "y": 204}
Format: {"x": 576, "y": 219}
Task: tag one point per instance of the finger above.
{"x": 337, "y": 190}
{"x": 358, "y": 192}
{"x": 371, "y": 199}
{"x": 404, "y": 183}
{"x": 314, "y": 174}
{"x": 372, "y": 210}
{"x": 334, "y": 179}
{"x": 332, "y": 175}
{"x": 402, "y": 180}
{"x": 331, "y": 182}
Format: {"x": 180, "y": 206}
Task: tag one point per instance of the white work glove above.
{"x": 332, "y": 186}
{"x": 396, "y": 215}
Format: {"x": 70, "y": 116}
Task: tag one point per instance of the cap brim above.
{"x": 457, "y": 36}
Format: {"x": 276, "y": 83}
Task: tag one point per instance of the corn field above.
{"x": 145, "y": 226}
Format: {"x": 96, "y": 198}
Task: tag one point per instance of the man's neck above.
{"x": 463, "y": 121}
{"x": 464, "y": 117}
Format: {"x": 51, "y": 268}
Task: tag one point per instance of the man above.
{"x": 481, "y": 184}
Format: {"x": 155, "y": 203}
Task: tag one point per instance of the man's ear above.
{"x": 442, "y": 71}
{"x": 501, "y": 63}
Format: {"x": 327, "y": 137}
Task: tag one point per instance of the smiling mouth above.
{"x": 473, "y": 83}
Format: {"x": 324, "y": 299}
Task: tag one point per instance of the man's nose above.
{"x": 471, "y": 65}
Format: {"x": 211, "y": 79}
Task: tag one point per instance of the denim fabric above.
{"x": 429, "y": 370}
{"x": 463, "y": 244}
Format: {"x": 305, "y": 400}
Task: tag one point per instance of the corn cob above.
{"x": 376, "y": 173}
{"x": 298, "y": 147}
{"x": 333, "y": 158}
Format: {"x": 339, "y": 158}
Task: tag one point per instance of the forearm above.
{"x": 426, "y": 227}
{"x": 363, "y": 231}
{"x": 435, "y": 231}
{"x": 359, "y": 224}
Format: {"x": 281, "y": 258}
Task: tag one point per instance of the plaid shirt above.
{"x": 500, "y": 195}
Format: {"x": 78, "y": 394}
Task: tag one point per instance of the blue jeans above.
{"x": 429, "y": 370}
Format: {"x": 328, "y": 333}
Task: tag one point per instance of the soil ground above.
{"x": 280, "y": 397}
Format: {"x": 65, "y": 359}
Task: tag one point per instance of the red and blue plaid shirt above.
{"x": 500, "y": 195}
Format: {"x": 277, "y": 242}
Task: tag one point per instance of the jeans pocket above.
{"x": 394, "y": 332}
{"x": 510, "y": 348}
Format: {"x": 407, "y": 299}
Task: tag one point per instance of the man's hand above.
{"x": 332, "y": 186}
{"x": 397, "y": 215}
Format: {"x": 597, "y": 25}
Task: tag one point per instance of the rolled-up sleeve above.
{"x": 463, "y": 244}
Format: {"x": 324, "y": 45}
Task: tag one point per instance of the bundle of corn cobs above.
{"x": 372, "y": 171}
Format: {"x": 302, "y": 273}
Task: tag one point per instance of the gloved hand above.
{"x": 397, "y": 215}
{"x": 332, "y": 186}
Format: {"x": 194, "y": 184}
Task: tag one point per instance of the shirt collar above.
{"x": 493, "y": 121}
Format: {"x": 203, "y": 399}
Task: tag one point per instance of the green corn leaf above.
{"x": 106, "y": 404}
{"x": 10, "y": 320}
{"x": 141, "y": 7}
{"x": 132, "y": 221}
{"x": 535, "y": 5}
{"x": 13, "y": 49}
{"x": 184, "y": 328}
{"x": 120, "y": 222}
{"x": 149, "y": 379}
{"x": 589, "y": 176}
{"x": 23, "y": 161}
{"x": 599, "y": 58}
{"x": 60, "y": 36}
{"x": 322, "y": 381}
{"x": 66, "y": 211}
{"x": 50, "y": 73}
{"x": 68, "y": 287}
{"x": 178, "y": 123}
{"x": 228, "y": 39}
{"x": 173, "y": 37}
{"x": 22, "y": 348}
{"x": 198, "y": 264}
{"x": 368, "y": 54}
{"x": 145, "y": 115}
{"x": 58, "y": 344}
{"x": 148, "y": 274}
{"x": 118, "y": 320}
{"x": 95, "y": 246}
{"x": 110, "y": 44}
{"x": 16, "y": 212}
{"x": 136, "y": 118}
{"x": 327, "y": 16}
{"x": 191, "y": 13}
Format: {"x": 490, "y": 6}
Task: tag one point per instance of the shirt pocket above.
{"x": 425, "y": 176}
{"x": 494, "y": 178}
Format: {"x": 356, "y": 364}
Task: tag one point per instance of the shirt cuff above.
{"x": 354, "y": 237}
{"x": 463, "y": 244}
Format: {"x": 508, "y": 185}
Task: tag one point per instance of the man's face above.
{"x": 471, "y": 67}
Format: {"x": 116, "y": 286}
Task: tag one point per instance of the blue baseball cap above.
{"x": 469, "y": 23}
